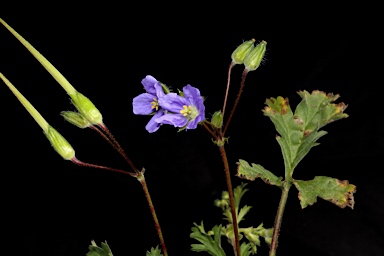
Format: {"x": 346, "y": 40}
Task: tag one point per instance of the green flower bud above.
{"x": 76, "y": 119}
{"x": 60, "y": 144}
{"x": 225, "y": 195}
{"x": 253, "y": 59}
{"x": 165, "y": 88}
{"x": 217, "y": 119}
{"x": 57, "y": 141}
{"x": 242, "y": 51}
{"x": 217, "y": 203}
{"x": 252, "y": 237}
{"x": 86, "y": 108}
{"x": 230, "y": 233}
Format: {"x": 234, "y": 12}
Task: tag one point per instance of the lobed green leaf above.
{"x": 95, "y": 250}
{"x": 154, "y": 252}
{"x": 330, "y": 189}
{"x": 244, "y": 170}
{"x": 245, "y": 249}
{"x": 299, "y": 132}
{"x": 207, "y": 243}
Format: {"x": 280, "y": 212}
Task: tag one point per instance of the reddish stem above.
{"x": 231, "y": 200}
{"x": 244, "y": 75}
{"x": 80, "y": 163}
{"x": 210, "y": 131}
{"x": 141, "y": 178}
{"x": 116, "y": 145}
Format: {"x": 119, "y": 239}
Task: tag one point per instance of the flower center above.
{"x": 190, "y": 112}
{"x": 155, "y": 104}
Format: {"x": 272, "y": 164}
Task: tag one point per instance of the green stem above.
{"x": 279, "y": 218}
{"x": 231, "y": 200}
{"x": 141, "y": 178}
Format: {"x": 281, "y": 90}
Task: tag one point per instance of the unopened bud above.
{"x": 217, "y": 119}
{"x": 76, "y": 119}
{"x": 217, "y": 203}
{"x": 225, "y": 195}
{"x": 253, "y": 59}
{"x": 165, "y": 88}
{"x": 86, "y": 108}
{"x": 242, "y": 51}
{"x": 60, "y": 144}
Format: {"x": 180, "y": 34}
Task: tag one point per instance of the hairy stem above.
{"x": 139, "y": 175}
{"x": 231, "y": 200}
{"x": 279, "y": 218}
{"x": 243, "y": 76}
{"x": 210, "y": 131}
{"x": 80, "y": 163}
{"x": 141, "y": 178}
{"x": 117, "y": 146}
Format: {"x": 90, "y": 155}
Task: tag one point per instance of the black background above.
{"x": 53, "y": 207}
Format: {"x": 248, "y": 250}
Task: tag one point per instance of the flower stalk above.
{"x": 227, "y": 89}
{"x": 243, "y": 76}
{"x": 141, "y": 179}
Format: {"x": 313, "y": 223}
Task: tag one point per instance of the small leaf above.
{"x": 95, "y": 250}
{"x": 244, "y": 170}
{"x": 253, "y": 235}
{"x": 331, "y": 189}
{"x": 245, "y": 249}
{"x": 242, "y": 213}
{"x": 238, "y": 193}
{"x": 208, "y": 244}
{"x": 154, "y": 252}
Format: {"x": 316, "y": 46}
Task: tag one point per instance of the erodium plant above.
{"x": 298, "y": 132}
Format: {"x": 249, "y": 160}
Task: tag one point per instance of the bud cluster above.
{"x": 249, "y": 55}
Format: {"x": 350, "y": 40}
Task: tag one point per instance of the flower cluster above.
{"x": 184, "y": 110}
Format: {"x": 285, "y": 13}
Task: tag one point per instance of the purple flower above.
{"x": 152, "y": 125}
{"x": 187, "y": 111}
{"x": 148, "y": 103}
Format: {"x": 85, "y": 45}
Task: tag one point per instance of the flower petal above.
{"x": 159, "y": 90}
{"x": 152, "y": 125}
{"x": 172, "y": 102}
{"x": 176, "y": 120}
{"x": 142, "y": 104}
{"x": 149, "y": 84}
{"x": 193, "y": 123}
{"x": 192, "y": 94}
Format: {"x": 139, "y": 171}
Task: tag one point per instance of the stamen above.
{"x": 186, "y": 110}
{"x": 155, "y": 104}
